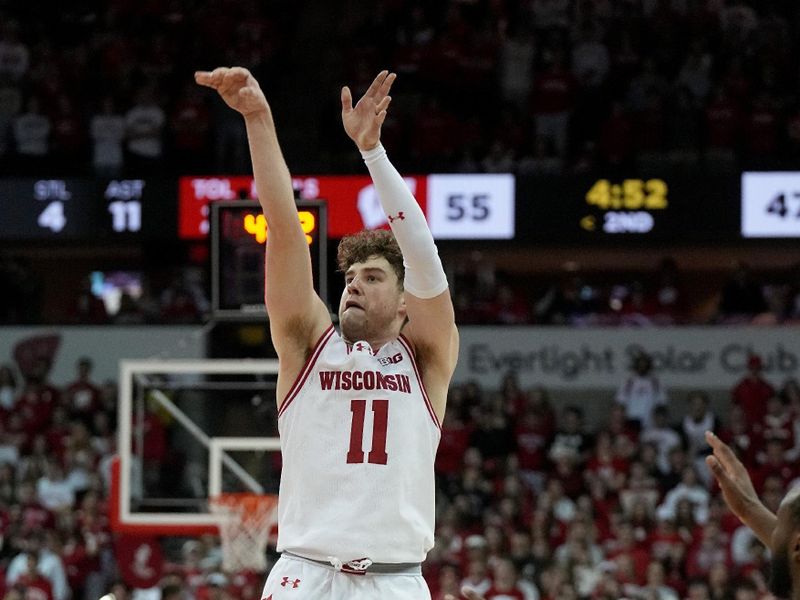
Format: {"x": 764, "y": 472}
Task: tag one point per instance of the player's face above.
{"x": 372, "y": 301}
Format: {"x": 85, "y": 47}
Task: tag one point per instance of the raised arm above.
{"x": 297, "y": 315}
{"x": 431, "y": 328}
{"x": 738, "y": 492}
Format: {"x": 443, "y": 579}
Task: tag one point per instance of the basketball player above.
{"x": 359, "y": 410}
{"x": 780, "y": 533}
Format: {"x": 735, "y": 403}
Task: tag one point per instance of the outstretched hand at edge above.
{"x": 363, "y": 122}
{"x": 738, "y": 491}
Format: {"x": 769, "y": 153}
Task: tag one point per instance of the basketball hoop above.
{"x": 245, "y": 521}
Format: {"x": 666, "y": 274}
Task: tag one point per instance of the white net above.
{"x": 245, "y": 521}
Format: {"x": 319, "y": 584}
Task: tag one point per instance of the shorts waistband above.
{"x": 361, "y": 566}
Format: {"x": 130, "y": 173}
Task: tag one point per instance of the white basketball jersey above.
{"x": 358, "y": 440}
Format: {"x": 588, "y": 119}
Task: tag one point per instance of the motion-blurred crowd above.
{"x": 532, "y": 501}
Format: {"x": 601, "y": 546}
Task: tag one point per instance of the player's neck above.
{"x": 375, "y": 340}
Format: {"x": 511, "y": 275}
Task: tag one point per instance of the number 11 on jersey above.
{"x": 380, "y": 416}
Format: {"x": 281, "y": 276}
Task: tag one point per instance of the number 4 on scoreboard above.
{"x": 777, "y": 205}
{"x": 52, "y": 217}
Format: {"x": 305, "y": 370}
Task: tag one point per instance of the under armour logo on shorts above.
{"x": 286, "y": 581}
{"x": 400, "y": 216}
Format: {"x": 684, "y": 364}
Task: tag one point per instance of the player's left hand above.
{"x": 363, "y": 122}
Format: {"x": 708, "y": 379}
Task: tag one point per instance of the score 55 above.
{"x": 471, "y": 206}
{"x": 256, "y": 225}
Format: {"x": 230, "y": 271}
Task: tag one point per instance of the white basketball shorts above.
{"x": 296, "y": 578}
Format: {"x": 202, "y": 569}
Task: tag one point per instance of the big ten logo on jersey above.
{"x": 390, "y": 360}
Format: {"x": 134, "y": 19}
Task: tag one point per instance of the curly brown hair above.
{"x": 371, "y": 242}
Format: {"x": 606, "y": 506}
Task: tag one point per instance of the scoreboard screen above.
{"x": 457, "y": 207}
{"x": 643, "y": 211}
{"x": 771, "y": 204}
{"x": 239, "y": 233}
{"x": 86, "y": 209}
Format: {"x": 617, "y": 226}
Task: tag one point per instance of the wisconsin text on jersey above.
{"x": 364, "y": 380}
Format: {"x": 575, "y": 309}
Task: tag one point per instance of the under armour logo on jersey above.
{"x": 362, "y": 347}
{"x": 399, "y": 216}
{"x": 286, "y": 581}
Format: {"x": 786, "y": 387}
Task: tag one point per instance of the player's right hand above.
{"x": 237, "y": 87}
{"x": 732, "y": 476}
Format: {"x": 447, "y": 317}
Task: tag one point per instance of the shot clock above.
{"x": 239, "y": 233}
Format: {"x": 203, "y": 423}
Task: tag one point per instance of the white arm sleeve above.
{"x": 425, "y": 276}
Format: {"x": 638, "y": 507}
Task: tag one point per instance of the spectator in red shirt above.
{"x": 553, "y": 100}
{"x": 753, "y": 391}
{"x": 188, "y": 124}
{"x": 83, "y": 395}
{"x": 777, "y": 424}
{"x": 739, "y": 436}
{"x": 762, "y": 127}
{"x": 452, "y": 445}
{"x": 723, "y": 124}
{"x": 69, "y": 133}
{"x": 605, "y": 465}
{"x": 447, "y": 583}
{"x": 34, "y": 584}
{"x": 774, "y": 464}
{"x": 432, "y": 130}
{"x": 712, "y": 548}
{"x": 504, "y": 586}
{"x": 532, "y": 437}
{"x": 616, "y": 140}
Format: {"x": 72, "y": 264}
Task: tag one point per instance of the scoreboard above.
{"x": 86, "y": 209}
{"x": 602, "y": 209}
{"x": 238, "y": 235}
{"x": 636, "y": 210}
{"x": 458, "y": 207}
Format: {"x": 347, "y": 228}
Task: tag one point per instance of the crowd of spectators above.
{"x": 532, "y": 502}
{"x": 482, "y": 293}
{"x": 157, "y": 296}
{"x": 55, "y": 542}
{"x": 663, "y": 296}
{"x": 533, "y": 86}
{"x": 535, "y": 503}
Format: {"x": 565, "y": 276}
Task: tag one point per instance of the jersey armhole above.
{"x": 410, "y": 349}
{"x": 304, "y": 372}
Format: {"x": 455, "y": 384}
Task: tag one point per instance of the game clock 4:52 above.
{"x": 630, "y": 206}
